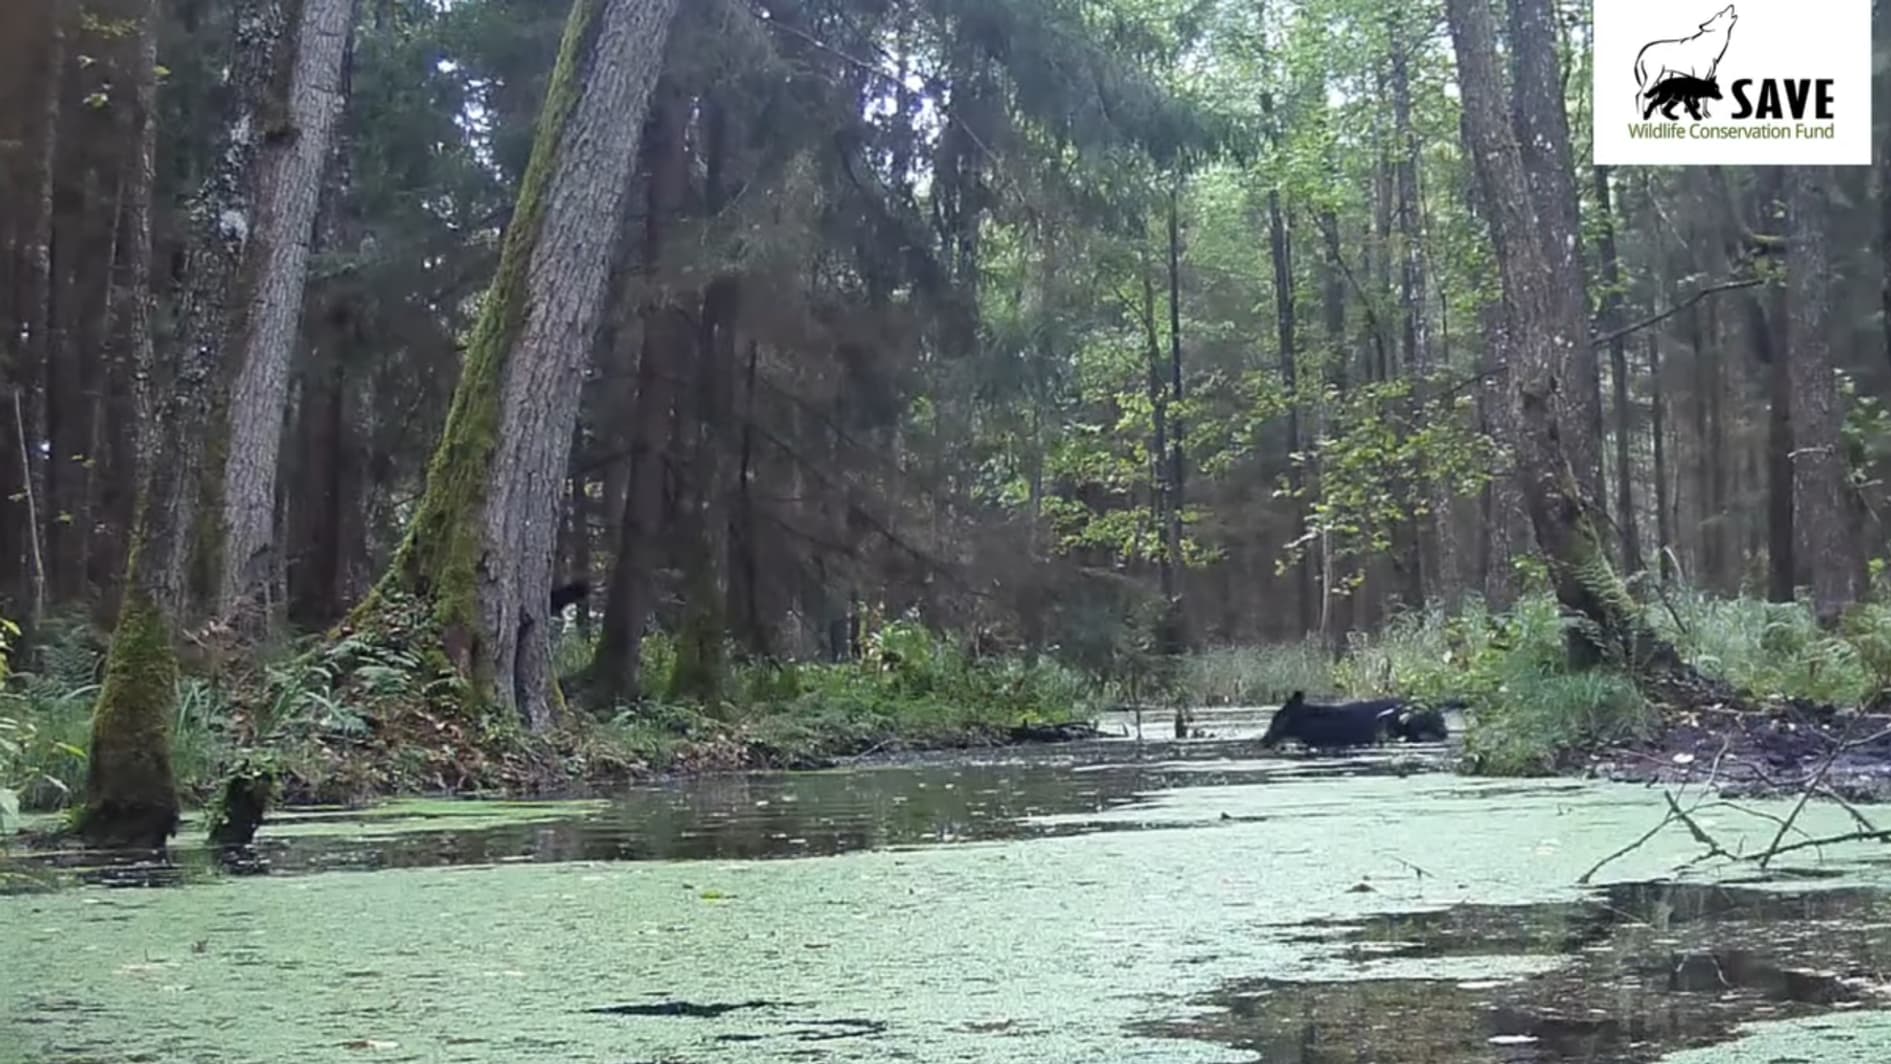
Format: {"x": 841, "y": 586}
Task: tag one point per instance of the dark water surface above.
{"x": 1115, "y": 900}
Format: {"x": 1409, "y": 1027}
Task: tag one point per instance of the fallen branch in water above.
{"x": 1815, "y": 784}
{"x": 1818, "y": 780}
{"x": 1674, "y": 811}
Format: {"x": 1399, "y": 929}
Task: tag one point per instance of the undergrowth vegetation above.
{"x": 911, "y": 688}
{"x": 1529, "y": 710}
{"x": 365, "y": 716}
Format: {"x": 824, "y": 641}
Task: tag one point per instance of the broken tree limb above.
{"x": 1713, "y": 289}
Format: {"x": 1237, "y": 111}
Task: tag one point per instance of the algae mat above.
{"x": 1062, "y": 947}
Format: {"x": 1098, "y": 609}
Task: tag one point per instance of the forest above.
{"x": 413, "y": 397}
{"x": 980, "y": 530}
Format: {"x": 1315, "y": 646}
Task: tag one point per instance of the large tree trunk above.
{"x": 1618, "y": 369}
{"x": 479, "y": 552}
{"x": 131, "y": 796}
{"x": 221, "y": 222}
{"x": 1541, "y": 122}
{"x": 288, "y": 193}
{"x": 1547, "y": 333}
{"x": 1825, "y": 514}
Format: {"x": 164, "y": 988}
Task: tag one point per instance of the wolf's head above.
{"x": 1722, "y": 21}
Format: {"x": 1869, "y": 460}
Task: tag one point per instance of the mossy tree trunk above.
{"x": 131, "y": 797}
{"x": 480, "y": 549}
{"x": 1545, "y": 331}
{"x": 294, "y": 157}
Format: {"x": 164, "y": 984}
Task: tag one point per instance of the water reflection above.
{"x": 915, "y": 800}
{"x": 1650, "y": 968}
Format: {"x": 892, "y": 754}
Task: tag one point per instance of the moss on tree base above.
{"x": 131, "y": 795}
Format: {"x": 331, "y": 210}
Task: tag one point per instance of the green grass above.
{"x": 1247, "y": 676}
{"x": 1776, "y": 650}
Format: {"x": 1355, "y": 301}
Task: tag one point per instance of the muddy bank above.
{"x": 1771, "y": 752}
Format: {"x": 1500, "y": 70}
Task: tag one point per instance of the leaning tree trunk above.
{"x": 1547, "y": 334}
{"x": 479, "y": 551}
{"x": 131, "y": 796}
{"x": 288, "y": 193}
{"x": 1825, "y": 520}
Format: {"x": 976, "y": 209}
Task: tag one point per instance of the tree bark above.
{"x": 1825, "y": 516}
{"x": 1541, "y": 122}
{"x": 131, "y": 795}
{"x": 1618, "y": 368}
{"x": 288, "y": 194}
{"x": 221, "y": 223}
{"x": 479, "y": 551}
{"x": 1546, "y": 332}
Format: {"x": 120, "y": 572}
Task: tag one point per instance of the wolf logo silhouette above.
{"x": 1681, "y": 90}
{"x": 1695, "y": 58}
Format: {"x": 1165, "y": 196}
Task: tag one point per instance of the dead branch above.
{"x": 1818, "y": 779}
{"x": 1712, "y": 289}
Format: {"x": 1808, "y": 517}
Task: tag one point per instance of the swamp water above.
{"x": 1107, "y": 901}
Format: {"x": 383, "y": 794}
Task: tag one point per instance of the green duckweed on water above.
{"x": 1121, "y": 930}
{"x": 1855, "y": 1036}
